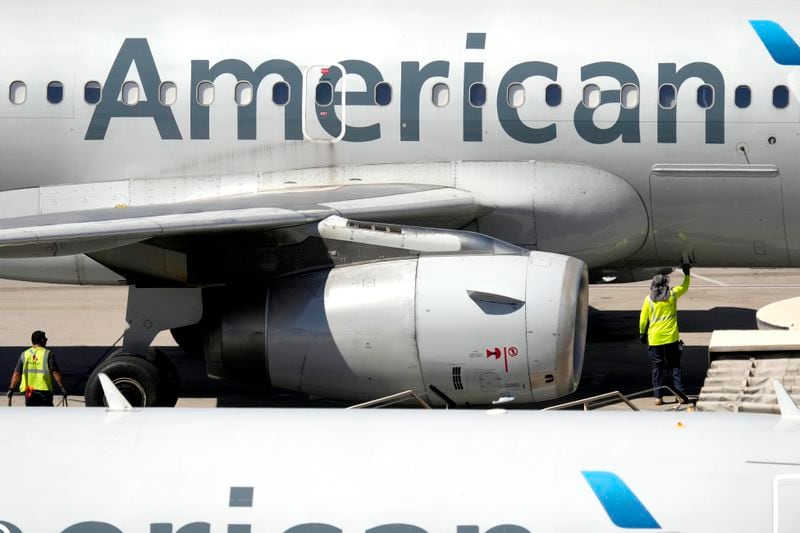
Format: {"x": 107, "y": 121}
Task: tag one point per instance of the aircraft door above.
{"x": 786, "y": 504}
{"x": 729, "y": 215}
{"x": 324, "y": 105}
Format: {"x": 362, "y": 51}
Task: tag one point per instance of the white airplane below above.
{"x": 401, "y": 471}
{"x": 220, "y": 160}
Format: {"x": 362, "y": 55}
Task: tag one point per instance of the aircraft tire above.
{"x": 138, "y": 380}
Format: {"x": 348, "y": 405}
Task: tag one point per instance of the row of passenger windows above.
{"x": 629, "y": 96}
{"x": 324, "y": 94}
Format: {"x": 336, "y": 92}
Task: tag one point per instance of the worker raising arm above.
{"x": 658, "y": 328}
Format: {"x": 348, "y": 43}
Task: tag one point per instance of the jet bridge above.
{"x": 742, "y": 365}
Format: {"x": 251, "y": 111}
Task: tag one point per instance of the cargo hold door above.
{"x": 721, "y": 215}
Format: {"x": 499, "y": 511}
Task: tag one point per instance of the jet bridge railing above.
{"x": 586, "y": 402}
{"x": 393, "y": 399}
{"x": 610, "y": 398}
{"x": 600, "y": 400}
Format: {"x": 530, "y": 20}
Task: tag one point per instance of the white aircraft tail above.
{"x": 789, "y": 409}
{"x": 114, "y": 398}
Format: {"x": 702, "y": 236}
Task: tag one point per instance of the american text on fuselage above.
{"x": 206, "y": 527}
{"x": 137, "y": 51}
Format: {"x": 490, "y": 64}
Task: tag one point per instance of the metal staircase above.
{"x": 743, "y": 382}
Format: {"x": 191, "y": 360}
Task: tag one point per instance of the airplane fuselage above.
{"x": 401, "y": 471}
{"x": 578, "y": 82}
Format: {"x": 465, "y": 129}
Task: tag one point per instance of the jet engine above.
{"x": 475, "y": 327}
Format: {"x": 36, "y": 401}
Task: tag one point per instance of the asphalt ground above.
{"x": 83, "y": 322}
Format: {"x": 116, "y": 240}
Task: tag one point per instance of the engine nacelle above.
{"x": 477, "y": 327}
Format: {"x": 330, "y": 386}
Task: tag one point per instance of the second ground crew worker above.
{"x": 35, "y": 372}
{"x": 658, "y": 328}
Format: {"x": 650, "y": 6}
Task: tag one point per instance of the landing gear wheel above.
{"x": 139, "y": 380}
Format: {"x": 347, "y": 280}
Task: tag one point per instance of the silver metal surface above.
{"x": 456, "y": 331}
{"x": 346, "y": 333}
{"x": 556, "y": 317}
{"x": 361, "y": 331}
{"x": 412, "y": 238}
{"x": 719, "y": 214}
{"x": 588, "y": 213}
{"x": 70, "y": 269}
{"x": 84, "y": 231}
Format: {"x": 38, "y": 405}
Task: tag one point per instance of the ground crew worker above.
{"x": 35, "y": 372}
{"x": 658, "y": 328}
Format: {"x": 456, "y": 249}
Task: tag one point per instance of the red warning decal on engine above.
{"x": 505, "y": 352}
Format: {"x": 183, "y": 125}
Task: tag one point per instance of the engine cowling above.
{"x": 477, "y": 327}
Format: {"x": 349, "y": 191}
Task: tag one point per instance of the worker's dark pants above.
{"x": 39, "y": 398}
{"x": 666, "y": 364}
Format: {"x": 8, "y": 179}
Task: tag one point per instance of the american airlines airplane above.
{"x": 406, "y": 471}
{"x": 353, "y": 198}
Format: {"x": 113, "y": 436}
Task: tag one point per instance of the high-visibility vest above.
{"x": 35, "y": 371}
{"x": 660, "y": 319}
{"x": 663, "y": 321}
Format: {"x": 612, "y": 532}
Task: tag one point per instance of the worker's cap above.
{"x": 39, "y": 337}
{"x": 659, "y": 280}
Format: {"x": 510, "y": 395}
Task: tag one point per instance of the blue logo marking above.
{"x": 780, "y": 45}
{"x": 619, "y": 502}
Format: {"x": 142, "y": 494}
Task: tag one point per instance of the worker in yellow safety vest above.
{"x": 35, "y": 372}
{"x": 658, "y": 328}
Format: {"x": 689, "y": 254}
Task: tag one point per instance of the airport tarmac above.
{"x": 82, "y": 322}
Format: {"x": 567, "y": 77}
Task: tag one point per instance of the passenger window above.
{"x": 130, "y": 93}
{"x": 324, "y": 96}
{"x": 516, "y": 95}
{"x": 280, "y": 93}
{"x": 441, "y": 94}
{"x": 552, "y": 95}
{"x": 243, "y": 93}
{"x": 666, "y": 96}
{"x": 477, "y": 94}
{"x": 629, "y": 96}
{"x": 591, "y": 96}
{"x": 383, "y": 93}
{"x": 17, "y": 93}
{"x": 168, "y": 93}
{"x": 91, "y": 92}
{"x": 55, "y": 92}
{"x": 780, "y": 96}
{"x": 705, "y": 96}
{"x": 742, "y": 96}
{"x": 205, "y": 93}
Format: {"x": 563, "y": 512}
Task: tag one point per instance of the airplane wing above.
{"x": 93, "y": 230}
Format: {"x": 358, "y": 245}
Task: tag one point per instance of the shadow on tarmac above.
{"x": 614, "y": 360}
{"x": 77, "y": 362}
